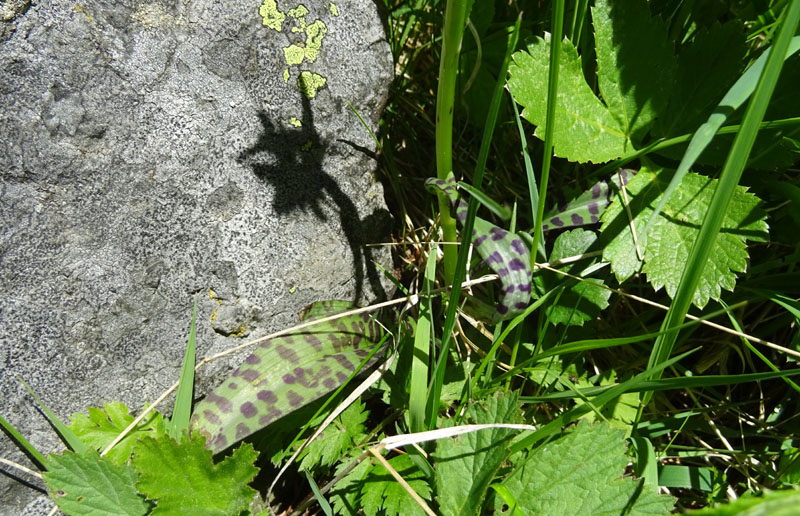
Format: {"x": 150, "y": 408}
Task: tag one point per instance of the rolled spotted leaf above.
{"x": 505, "y": 253}
{"x": 286, "y": 373}
{"x": 588, "y": 206}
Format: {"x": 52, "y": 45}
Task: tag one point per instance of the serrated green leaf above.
{"x": 584, "y": 300}
{"x": 87, "y": 485}
{"x": 466, "y": 464}
{"x": 580, "y": 474}
{"x": 344, "y": 432}
{"x": 667, "y": 245}
{"x": 585, "y": 130}
{"x": 346, "y": 494}
{"x": 381, "y": 493}
{"x": 102, "y": 426}
{"x": 183, "y": 479}
{"x": 635, "y": 64}
{"x": 770, "y": 503}
{"x": 286, "y": 373}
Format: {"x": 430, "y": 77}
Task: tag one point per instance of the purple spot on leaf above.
{"x": 594, "y": 219}
{"x": 250, "y": 375}
{"x": 518, "y": 246}
{"x": 520, "y": 305}
{"x": 219, "y": 443}
{"x": 253, "y": 359}
{"x": 289, "y": 378}
{"x": 594, "y": 208}
{"x": 516, "y": 265}
{"x": 478, "y": 241}
{"x": 509, "y": 290}
{"x": 495, "y": 257}
{"x": 556, "y": 222}
{"x": 233, "y": 386}
{"x": 577, "y": 219}
{"x": 341, "y": 377}
{"x": 497, "y": 233}
{"x": 502, "y": 309}
{"x": 597, "y": 191}
{"x": 294, "y": 398}
{"x": 287, "y": 354}
{"x": 248, "y": 410}
{"x": 344, "y": 362}
{"x": 525, "y": 287}
{"x": 224, "y": 406}
{"x": 242, "y": 431}
{"x": 211, "y": 417}
{"x": 502, "y": 272}
{"x": 267, "y": 396}
{"x": 329, "y": 383}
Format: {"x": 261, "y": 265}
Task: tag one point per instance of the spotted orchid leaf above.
{"x": 504, "y": 253}
{"x": 588, "y": 206}
{"x": 286, "y": 373}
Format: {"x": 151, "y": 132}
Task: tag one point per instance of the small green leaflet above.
{"x": 588, "y": 206}
{"x": 286, "y": 373}
{"x": 504, "y": 253}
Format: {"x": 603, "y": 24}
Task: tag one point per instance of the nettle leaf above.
{"x": 588, "y": 206}
{"x": 286, "y": 373}
{"x": 101, "y": 427}
{"x": 346, "y": 494}
{"x": 86, "y": 484}
{"x": 666, "y": 247}
{"x": 346, "y": 431}
{"x": 183, "y": 479}
{"x": 382, "y": 494}
{"x": 635, "y": 68}
{"x": 504, "y": 253}
{"x": 584, "y": 300}
{"x": 466, "y": 464}
{"x": 580, "y": 473}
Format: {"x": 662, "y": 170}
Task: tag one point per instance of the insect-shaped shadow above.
{"x": 290, "y": 161}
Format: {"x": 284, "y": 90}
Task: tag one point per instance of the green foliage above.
{"x": 84, "y": 484}
{"x": 772, "y": 503}
{"x": 580, "y": 473}
{"x": 471, "y": 461}
{"x": 666, "y": 247}
{"x": 102, "y": 426}
{"x": 286, "y": 373}
{"x": 345, "y": 431}
{"x": 382, "y": 494}
{"x": 584, "y": 300}
{"x": 183, "y": 479}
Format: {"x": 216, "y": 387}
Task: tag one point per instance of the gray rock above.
{"x": 156, "y": 152}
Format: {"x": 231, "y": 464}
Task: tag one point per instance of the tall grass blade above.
{"x": 421, "y": 352}
{"x": 67, "y": 435}
{"x": 23, "y": 443}
{"x": 435, "y": 390}
{"x": 729, "y": 179}
{"x": 179, "y": 422}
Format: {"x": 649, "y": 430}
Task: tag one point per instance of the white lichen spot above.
{"x": 334, "y": 9}
{"x": 285, "y": 75}
{"x": 308, "y": 83}
{"x": 295, "y": 122}
{"x": 271, "y": 16}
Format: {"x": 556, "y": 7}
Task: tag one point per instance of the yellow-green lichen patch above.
{"x": 334, "y": 9}
{"x": 295, "y": 122}
{"x": 308, "y": 83}
{"x": 298, "y": 12}
{"x": 294, "y": 55}
{"x": 285, "y": 75}
{"x": 271, "y": 16}
{"x": 315, "y": 34}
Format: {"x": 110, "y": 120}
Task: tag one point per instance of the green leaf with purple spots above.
{"x": 588, "y": 206}
{"x": 504, "y": 253}
{"x": 286, "y": 373}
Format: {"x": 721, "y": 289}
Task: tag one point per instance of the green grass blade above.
{"x": 323, "y": 503}
{"x": 67, "y": 435}
{"x": 23, "y": 443}
{"x": 729, "y": 179}
{"x": 418, "y": 387}
{"x": 435, "y": 390}
{"x": 501, "y": 211}
{"x": 557, "y": 23}
{"x": 454, "y": 23}
{"x": 179, "y": 422}
{"x": 735, "y": 98}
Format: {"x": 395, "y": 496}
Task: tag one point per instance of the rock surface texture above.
{"x": 157, "y": 151}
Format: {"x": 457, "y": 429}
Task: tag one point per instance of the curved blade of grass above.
{"x": 501, "y": 211}
{"x": 67, "y": 435}
{"x": 179, "y": 422}
{"x": 729, "y": 179}
{"x": 736, "y": 96}
{"x": 23, "y": 443}
{"x": 418, "y": 387}
{"x": 435, "y": 390}
{"x": 557, "y": 22}
{"x": 668, "y": 384}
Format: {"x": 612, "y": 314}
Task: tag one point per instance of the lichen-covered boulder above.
{"x": 157, "y": 152}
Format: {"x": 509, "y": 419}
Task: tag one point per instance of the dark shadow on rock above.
{"x": 290, "y": 161}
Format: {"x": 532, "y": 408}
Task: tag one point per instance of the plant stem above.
{"x": 454, "y": 19}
